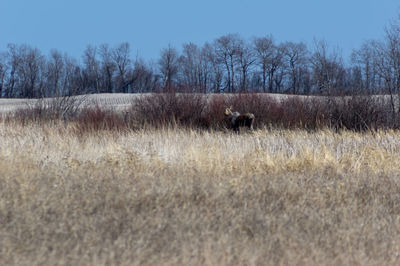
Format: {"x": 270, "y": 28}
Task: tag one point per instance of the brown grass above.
{"x": 185, "y": 197}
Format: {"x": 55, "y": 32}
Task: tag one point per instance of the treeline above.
{"x": 227, "y": 64}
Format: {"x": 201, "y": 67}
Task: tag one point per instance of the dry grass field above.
{"x": 185, "y": 197}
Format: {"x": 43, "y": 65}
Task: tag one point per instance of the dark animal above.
{"x": 239, "y": 120}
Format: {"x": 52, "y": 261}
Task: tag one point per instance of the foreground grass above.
{"x": 184, "y": 197}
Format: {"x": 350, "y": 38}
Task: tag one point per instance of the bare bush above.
{"x": 49, "y": 109}
{"x": 202, "y": 111}
{"x": 94, "y": 119}
{"x": 361, "y": 113}
{"x": 165, "y": 109}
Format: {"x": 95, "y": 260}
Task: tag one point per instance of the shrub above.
{"x": 361, "y": 113}
{"x": 46, "y": 110}
{"x": 92, "y": 119}
{"x": 290, "y": 112}
{"x": 202, "y": 111}
{"x": 166, "y": 109}
{"x": 306, "y": 113}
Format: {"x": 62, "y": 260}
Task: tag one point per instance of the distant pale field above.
{"x": 122, "y": 101}
{"x": 182, "y": 197}
{"x": 117, "y": 101}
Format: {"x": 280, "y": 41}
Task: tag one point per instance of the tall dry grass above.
{"x": 185, "y": 197}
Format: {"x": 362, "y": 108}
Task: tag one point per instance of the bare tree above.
{"x": 194, "y": 68}
{"x": 365, "y": 58}
{"x": 264, "y": 49}
{"x": 3, "y": 73}
{"x": 169, "y": 66}
{"x": 226, "y": 50}
{"x": 73, "y": 83}
{"x": 275, "y": 70}
{"x": 190, "y": 65}
{"x": 107, "y": 68}
{"x": 120, "y": 56}
{"x": 216, "y": 69}
{"x": 14, "y": 61}
{"x": 392, "y": 39}
{"x": 91, "y": 69}
{"x": 295, "y": 56}
{"x": 328, "y": 70}
{"x": 245, "y": 58}
{"x": 387, "y": 55}
{"x": 28, "y": 66}
{"x": 55, "y": 72}
{"x": 144, "y": 78}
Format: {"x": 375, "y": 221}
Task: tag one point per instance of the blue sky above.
{"x": 150, "y": 25}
